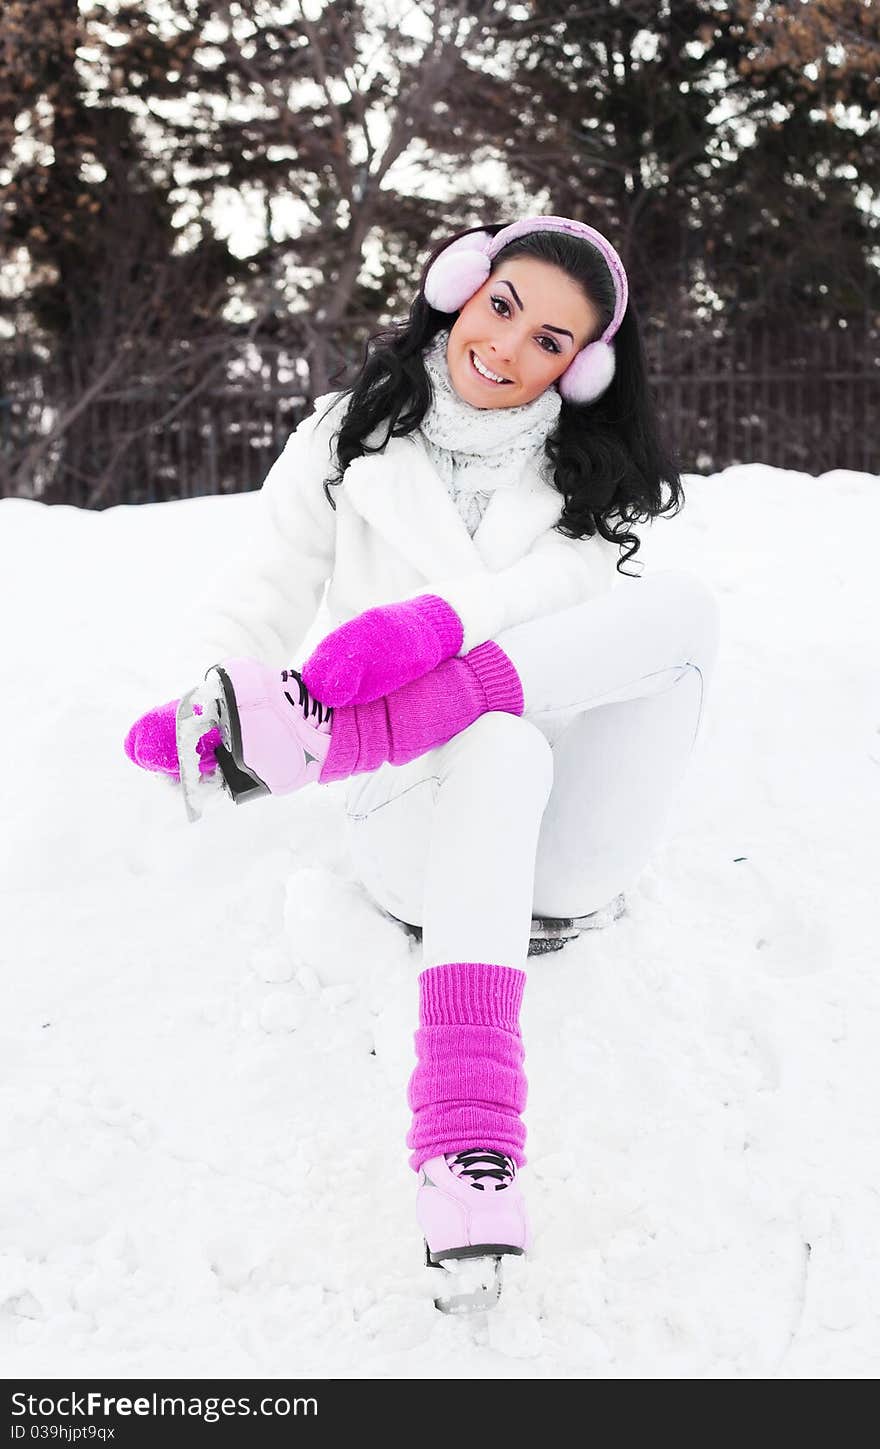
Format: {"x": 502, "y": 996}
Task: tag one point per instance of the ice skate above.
{"x": 471, "y": 1211}
{"x": 275, "y": 736}
{"x": 550, "y": 933}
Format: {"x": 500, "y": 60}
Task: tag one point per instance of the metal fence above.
{"x": 808, "y": 401}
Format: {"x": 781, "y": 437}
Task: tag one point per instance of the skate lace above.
{"x": 307, "y": 703}
{"x": 473, "y": 1165}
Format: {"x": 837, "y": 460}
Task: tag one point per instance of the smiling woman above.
{"x": 511, "y": 729}
{"x": 501, "y": 352}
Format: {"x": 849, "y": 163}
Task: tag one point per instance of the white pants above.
{"x": 556, "y": 812}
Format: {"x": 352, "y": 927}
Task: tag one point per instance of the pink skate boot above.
{"x": 275, "y": 736}
{"x": 471, "y": 1211}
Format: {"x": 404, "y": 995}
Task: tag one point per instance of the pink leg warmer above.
{"x": 422, "y": 714}
{"x": 469, "y": 1087}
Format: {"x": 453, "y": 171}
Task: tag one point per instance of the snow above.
{"x": 206, "y": 1029}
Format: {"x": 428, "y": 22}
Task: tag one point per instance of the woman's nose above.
{"x": 504, "y": 349}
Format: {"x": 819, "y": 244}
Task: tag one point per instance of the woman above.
{"x": 511, "y": 710}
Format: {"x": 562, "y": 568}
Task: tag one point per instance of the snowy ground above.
{"x": 206, "y": 1030}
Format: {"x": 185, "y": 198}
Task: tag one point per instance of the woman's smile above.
{"x": 495, "y": 380}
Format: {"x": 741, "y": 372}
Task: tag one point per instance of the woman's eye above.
{"x": 504, "y": 302}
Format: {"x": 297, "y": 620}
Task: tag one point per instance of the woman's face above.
{"x": 526, "y": 324}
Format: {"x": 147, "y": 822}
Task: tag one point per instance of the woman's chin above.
{"x": 467, "y": 391}
{"x": 479, "y": 395}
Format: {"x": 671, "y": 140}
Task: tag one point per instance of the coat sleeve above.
{"x": 556, "y": 573}
{"x": 262, "y": 604}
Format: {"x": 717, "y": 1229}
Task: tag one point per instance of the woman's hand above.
{"x": 152, "y": 741}
{"x": 381, "y": 650}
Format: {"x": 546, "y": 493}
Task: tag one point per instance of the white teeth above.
{"x": 485, "y": 371}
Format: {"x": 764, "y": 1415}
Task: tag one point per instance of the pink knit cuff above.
{"x": 478, "y": 1064}
{"x": 497, "y": 677}
{"x": 469, "y": 1088}
{"x": 443, "y": 620}
{"x": 356, "y": 731}
{"x": 468, "y": 993}
{"x": 458, "y": 1126}
{"x": 422, "y": 714}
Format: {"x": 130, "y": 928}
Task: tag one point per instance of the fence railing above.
{"x": 808, "y": 401}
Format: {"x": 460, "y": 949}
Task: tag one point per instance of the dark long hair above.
{"x": 609, "y": 461}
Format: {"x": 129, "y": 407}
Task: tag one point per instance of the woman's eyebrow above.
{"x": 564, "y": 330}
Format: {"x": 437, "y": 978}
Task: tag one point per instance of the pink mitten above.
{"x": 382, "y": 650}
{"x": 152, "y": 742}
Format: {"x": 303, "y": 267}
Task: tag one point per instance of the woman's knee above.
{"x": 511, "y": 746}
{"x": 697, "y": 611}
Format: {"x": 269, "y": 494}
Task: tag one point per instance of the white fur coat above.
{"x": 395, "y": 533}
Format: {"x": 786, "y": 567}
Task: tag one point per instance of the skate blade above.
{"x": 197, "y": 787}
{"x": 232, "y": 777}
{"x": 549, "y": 933}
{"x": 240, "y": 782}
{"x": 470, "y": 1285}
{"x": 562, "y": 929}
